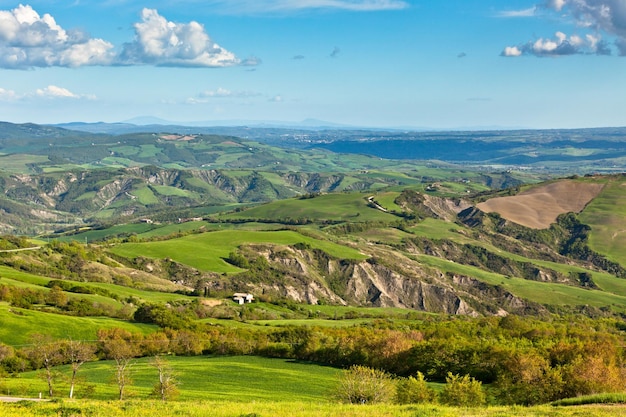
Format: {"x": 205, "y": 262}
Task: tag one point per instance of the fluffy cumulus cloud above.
{"x": 560, "y": 45}
{"x": 29, "y": 40}
{"x": 161, "y": 42}
{"x": 595, "y": 17}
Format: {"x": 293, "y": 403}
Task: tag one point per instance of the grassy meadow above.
{"x": 19, "y": 324}
{"x": 207, "y": 251}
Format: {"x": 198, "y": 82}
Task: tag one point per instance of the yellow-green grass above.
{"x": 292, "y": 408}
{"x": 18, "y": 324}
{"x": 540, "y": 292}
{"x": 351, "y": 207}
{"x": 606, "y": 215}
{"x": 207, "y": 251}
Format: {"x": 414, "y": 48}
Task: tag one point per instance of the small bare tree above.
{"x": 167, "y": 387}
{"x": 45, "y": 353}
{"x": 76, "y": 353}
{"x": 118, "y": 344}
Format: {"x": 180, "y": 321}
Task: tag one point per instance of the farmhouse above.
{"x": 242, "y": 298}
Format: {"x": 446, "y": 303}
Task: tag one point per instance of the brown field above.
{"x": 539, "y": 207}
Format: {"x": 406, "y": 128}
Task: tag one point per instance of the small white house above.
{"x": 242, "y": 298}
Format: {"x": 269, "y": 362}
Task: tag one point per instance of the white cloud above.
{"x": 52, "y": 91}
{"x": 530, "y": 12}
{"x": 560, "y": 45}
{"x": 220, "y": 93}
{"x": 7, "y": 95}
{"x": 49, "y": 92}
{"x": 511, "y": 51}
{"x": 29, "y": 40}
{"x": 599, "y": 18}
{"x": 556, "y": 4}
{"x": 161, "y": 42}
{"x": 272, "y": 6}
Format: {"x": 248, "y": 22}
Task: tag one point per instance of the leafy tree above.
{"x": 463, "y": 391}
{"x": 363, "y": 385}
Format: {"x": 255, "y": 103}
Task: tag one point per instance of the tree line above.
{"x": 524, "y": 361}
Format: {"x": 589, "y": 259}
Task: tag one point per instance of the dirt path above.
{"x": 20, "y": 250}
{"x": 16, "y": 399}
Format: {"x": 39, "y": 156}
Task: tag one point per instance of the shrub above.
{"x": 413, "y": 390}
{"x": 363, "y": 385}
{"x": 462, "y": 391}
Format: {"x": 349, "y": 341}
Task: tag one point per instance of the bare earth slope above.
{"x": 539, "y": 207}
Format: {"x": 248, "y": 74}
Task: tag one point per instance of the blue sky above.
{"x": 378, "y": 63}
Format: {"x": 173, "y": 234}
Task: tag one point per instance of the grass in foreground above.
{"x": 154, "y": 408}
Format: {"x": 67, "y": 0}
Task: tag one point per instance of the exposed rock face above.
{"x": 312, "y": 277}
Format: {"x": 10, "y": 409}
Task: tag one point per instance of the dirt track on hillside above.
{"x": 539, "y": 207}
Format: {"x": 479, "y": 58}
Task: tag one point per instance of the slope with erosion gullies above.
{"x": 58, "y": 200}
{"x": 481, "y": 264}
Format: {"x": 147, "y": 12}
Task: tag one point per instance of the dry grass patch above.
{"x": 539, "y": 207}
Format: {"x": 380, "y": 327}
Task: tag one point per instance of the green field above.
{"x": 350, "y": 207}
{"x": 606, "y": 215}
{"x": 207, "y": 251}
{"x": 18, "y": 324}
{"x": 236, "y": 379}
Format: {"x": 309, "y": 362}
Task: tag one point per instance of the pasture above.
{"x": 606, "y": 215}
{"x": 352, "y": 207}
{"x": 207, "y": 251}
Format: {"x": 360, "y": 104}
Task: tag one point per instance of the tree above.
{"x": 121, "y": 346}
{"x": 76, "y": 353}
{"x": 363, "y": 385}
{"x": 45, "y": 353}
{"x": 463, "y": 391}
{"x": 167, "y": 386}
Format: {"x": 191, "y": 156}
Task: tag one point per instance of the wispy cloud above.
{"x": 220, "y": 93}
{"x": 530, "y": 12}
{"x": 273, "y": 6}
{"x": 51, "y": 92}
